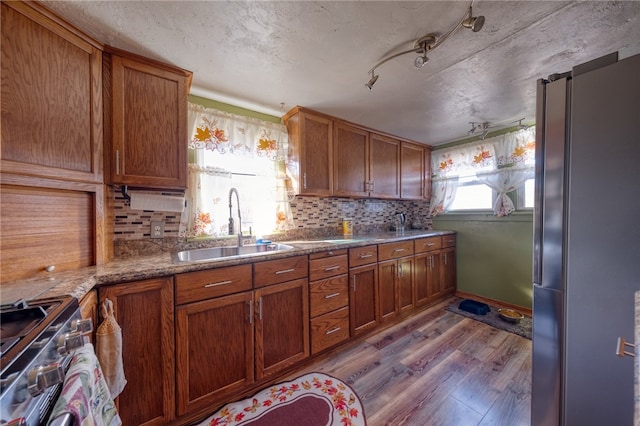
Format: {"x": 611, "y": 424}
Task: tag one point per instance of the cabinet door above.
{"x": 427, "y": 173}
{"x": 387, "y": 273}
{"x": 406, "y": 288}
{"x": 448, "y": 263}
{"x": 149, "y": 124}
{"x": 310, "y": 152}
{"x": 144, "y": 311}
{"x": 51, "y": 97}
{"x": 427, "y": 277}
{"x": 384, "y": 167}
{"x": 363, "y": 299}
{"x": 350, "y": 159}
{"x": 412, "y": 172}
{"x": 214, "y": 350}
{"x": 281, "y": 326}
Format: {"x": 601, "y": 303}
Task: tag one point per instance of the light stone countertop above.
{"x": 79, "y": 282}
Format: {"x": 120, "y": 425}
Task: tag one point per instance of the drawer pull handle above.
{"x": 329, "y": 296}
{"x": 285, "y": 271}
{"x": 331, "y": 268}
{"x": 364, "y": 256}
{"x": 398, "y": 250}
{"x": 217, "y": 284}
{"x": 333, "y": 330}
{"x": 431, "y": 244}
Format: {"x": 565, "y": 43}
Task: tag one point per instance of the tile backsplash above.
{"x": 313, "y": 216}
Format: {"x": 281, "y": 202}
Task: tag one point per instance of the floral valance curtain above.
{"x": 503, "y": 163}
{"x": 231, "y": 151}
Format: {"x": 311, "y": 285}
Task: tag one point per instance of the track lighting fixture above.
{"x": 477, "y": 126}
{"x": 475, "y": 23}
{"x": 429, "y": 42}
{"x": 372, "y": 81}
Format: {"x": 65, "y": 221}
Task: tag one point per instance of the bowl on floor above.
{"x": 510, "y": 315}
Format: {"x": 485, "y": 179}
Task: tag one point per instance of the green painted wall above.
{"x": 494, "y": 255}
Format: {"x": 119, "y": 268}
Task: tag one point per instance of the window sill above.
{"x": 485, "y": 216}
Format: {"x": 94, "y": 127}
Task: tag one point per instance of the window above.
{"x": 472, "y": 195}
{"x": 485, "y": 175}
{"x": 229, "y": 151}
{"x": 526, "y": 195}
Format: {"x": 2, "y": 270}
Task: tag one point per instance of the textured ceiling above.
{"x": 261, "y": 54}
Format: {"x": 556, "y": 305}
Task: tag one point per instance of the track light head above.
{"x": 372, "y": 81}
{"x": 420, "y": 61}
{"x": 474, "y": 22}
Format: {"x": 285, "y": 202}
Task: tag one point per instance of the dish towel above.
{"x": 109, "y": 346}
{"x": 85, "y": 394}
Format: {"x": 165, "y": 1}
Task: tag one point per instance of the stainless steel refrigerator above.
{"x": 586, "y": 243}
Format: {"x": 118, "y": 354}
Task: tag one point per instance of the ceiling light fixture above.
{"x": 476, "y": 126}
{"x": 485, "y": 130}
{"x": 429, "y": 42}
{"x": 372, "y": 81}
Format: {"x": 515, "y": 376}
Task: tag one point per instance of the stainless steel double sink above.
{"x": 213, "y": 253}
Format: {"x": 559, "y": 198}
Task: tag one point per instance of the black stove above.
{"x": 36, "y": 341}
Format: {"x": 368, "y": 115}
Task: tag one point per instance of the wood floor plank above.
{"x": 437, "y": 368}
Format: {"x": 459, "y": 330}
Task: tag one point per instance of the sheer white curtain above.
{"x": 503, "y": 163}
{"x": 231, "y": 151}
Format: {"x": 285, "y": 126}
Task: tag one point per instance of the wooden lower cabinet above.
{"x": 145, "y": 312}
{"x": 363, "y": 299}
{"x": 281, "y": 326}
{"x": 214, "y": 350}
{"x": 448, "y": 269}
{"x": 396, "y": 287}
{"x": 427, "y": 277}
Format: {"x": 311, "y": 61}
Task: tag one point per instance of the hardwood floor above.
{"x": 437, "y": 368}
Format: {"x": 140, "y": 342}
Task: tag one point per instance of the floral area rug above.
{"x": 314, "y": 399}
{"x": 523, "y": 328}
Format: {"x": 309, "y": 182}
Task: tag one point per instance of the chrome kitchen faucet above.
{"x": 231, "y": 192}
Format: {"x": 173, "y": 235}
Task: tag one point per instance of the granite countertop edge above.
{"x": 78, "y": 282}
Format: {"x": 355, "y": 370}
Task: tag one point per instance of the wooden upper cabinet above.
{"x": 51, "y": 96}
{"x": 384, "y": 167}
{"x": 332, "y": 157}
{"x": 310, "y": 163}
{"x": 427, "y": 172}
{"x": 351, "y": 165}
{"x": 147, "y": 122}
{"x": 412, "y": 171}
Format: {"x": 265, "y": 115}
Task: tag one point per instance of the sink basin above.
{"x": 213, "y": 253}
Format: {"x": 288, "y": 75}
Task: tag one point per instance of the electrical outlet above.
{"x": 157, "y": 229}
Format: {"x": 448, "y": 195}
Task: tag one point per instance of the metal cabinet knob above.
{"x": 43, "y": 377}
{"x": 70, "y": 341}
{"x": 50, "y": 268}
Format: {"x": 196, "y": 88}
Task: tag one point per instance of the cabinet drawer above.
{"x": 202, "y": 285}
{"x": 427, "y": 244}
{"x": 395, "y": 250}
{"x": 327, "y": 267}
{"x": 279, "y": 271}
{"x": 363, "y": 255}
{"x": 449, "y": 240}
{"x": 329, "y": 253}
{"x": 329, "y": 329}
{"x": 328, "y": 295}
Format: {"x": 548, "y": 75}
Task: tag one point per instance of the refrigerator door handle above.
{"x": 621, "y": 348}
